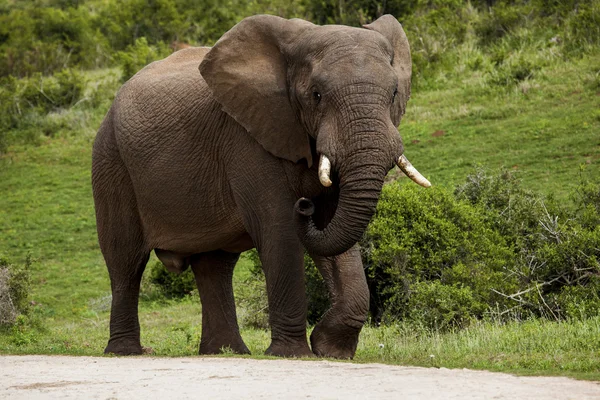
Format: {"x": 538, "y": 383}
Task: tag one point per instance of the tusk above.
{"x": 412, "y": 172}
{"x": 324, "y": 171}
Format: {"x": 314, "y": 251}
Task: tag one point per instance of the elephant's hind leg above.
{"x": 122, "y": 244}
{"x": 121, "y": 239}
{"x": 214, "y": 272}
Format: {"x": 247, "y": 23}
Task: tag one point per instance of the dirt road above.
{"x": 33, "y": 377}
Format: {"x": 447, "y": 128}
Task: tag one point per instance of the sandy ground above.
{"x": 49, "y": 377}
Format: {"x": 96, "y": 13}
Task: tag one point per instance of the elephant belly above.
{"x": 193, "y": 224}
{"x": 196, "y": 235}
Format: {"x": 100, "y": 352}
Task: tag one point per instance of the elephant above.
{"x": 278, "y": 138}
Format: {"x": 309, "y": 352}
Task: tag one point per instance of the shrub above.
{"x": 173, "y": 286}
{"x": 420, "y": 237}
{"x": 15, "y": 284}
{"x": 556, "y": 250}
{"x": 139, "y": 55}
{"x": 316, "y": 292}
{"x": 42, "y": 39}
{"x": 38, "y": 94}
{"x": 583, "y": 26}
{"x": 251, "y": 300}
{"x": 252, "y": 295}
{"x": 491, "y": 250}
{"x": 439, "y": 306}
{"x": 500, "y": 21}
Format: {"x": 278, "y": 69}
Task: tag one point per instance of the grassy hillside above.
{"x": 545, "y": 128}
{"x": 525, "y": 100}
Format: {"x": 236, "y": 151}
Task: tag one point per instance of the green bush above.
{"x": 138, "y": 55}
{"x": 583, "y": 26}
{"x": 172, "y": 286}
{"x": 555, "y": 249}
{"x": 46, "y": 39}
{"x": 316, "y": 292}
{"x": 491, "y": 250}
{"x": 440, "y": 307}
{"x": 501, "y": 20}
{"x": 38, "y": 94}
{"x": 252, "y": 295}
{"x": 419, "y": 237}
{"x": 513, "y": 71}
{"x": 15, "y": 285}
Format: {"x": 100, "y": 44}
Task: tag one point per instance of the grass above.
{"x": 545, "y": 128}
{"x": 534, "y": 347}
{"x": 545, "y": 132}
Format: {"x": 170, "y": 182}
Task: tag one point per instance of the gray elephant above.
{"x": 281, "y": 142}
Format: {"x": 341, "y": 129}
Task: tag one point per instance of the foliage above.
{"x": 316, "y": 292}
{"x": 21, "y": 100}
{"x": 172, "y": 285}
{"x": 138, "y": 56}
{"x": 252, "y": 295}
{"x": 15, "y": 286}
{"x": 47, "y": 39}
{"x": 427, "y": 243}
{"x": 356, "y": 12}
{"x": 491, "y": 250}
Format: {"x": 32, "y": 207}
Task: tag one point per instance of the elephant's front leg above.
{"x": 214, "y": 272}
{"x": 336, "y": 335}
{"x": 282, "y": 258}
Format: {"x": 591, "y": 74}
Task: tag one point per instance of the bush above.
{"x": 48, "y": 39}
{"x": 316, "y": 292}
{"x": 491, "y": 250}
{"x": 501, "y": 20}
{"x": 556, "y": 250}
{"x": 172, "y": 286}
{"x": 583, "y": 26}
{"x": 251, "y": 298}
{"x": 15, "y": 284}
{"x": 439, "y": 306}
{"x": 425, "y": 240}
{"x": 138, "y": 56}
{"x": 39, "y": 95}
{"x": 252, "y": 294}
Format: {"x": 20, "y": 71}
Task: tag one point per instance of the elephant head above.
{"x": 344, "y": 90}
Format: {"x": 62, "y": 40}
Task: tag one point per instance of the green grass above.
{"x": 544, "y": 128}
{"x": 534, "y": 347}
{"x": 545, "y": 133}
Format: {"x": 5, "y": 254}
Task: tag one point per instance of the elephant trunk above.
{"x": 360, "y": 188}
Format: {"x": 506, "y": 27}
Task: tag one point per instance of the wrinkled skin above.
{"x": 206, "y": 154}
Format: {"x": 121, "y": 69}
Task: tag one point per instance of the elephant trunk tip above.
{"x": 305, "y": 207}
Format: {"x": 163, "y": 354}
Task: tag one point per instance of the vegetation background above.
{"x": 496, "y": 267}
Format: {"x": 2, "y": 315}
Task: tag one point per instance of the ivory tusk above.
{"x": 412, "y": 172}
{"x": 324, "y": 171}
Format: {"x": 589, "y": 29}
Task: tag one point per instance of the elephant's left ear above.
{"x": 247, "y": 71}
{"x": 391, "y": 29}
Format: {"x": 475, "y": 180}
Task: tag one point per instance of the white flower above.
{"x": 381, "y": 345}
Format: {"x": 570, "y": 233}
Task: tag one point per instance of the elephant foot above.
{"x": 287, "y": 349}
{"x": 124, "y": 347}
{"x": 338, "y": 343}
{"x": 220, "y": 347}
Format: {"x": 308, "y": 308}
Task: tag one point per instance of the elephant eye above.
{"x": 316, "y": 97}
{"x": 394, "y": 95}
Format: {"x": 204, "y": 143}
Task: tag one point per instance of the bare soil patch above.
{"x": 26, "y": 377}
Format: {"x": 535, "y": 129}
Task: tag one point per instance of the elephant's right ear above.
{"x": 247, "y": 73}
